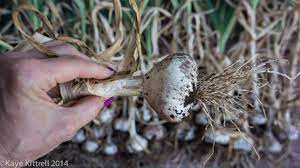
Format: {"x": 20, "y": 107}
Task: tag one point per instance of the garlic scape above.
{"x": 168, "y": 87}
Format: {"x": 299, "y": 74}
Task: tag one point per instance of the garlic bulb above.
{"x": 293, "y": 133}
{"x": 185, "y": 131}
{"x": 201, "y": 119}
{"x": 258, "y": 119}
{"x": 110, "y": 148}
{"x": 218, "y": 136}
{"x": 274, "y": 147}
{"x": 243, "y": 143}
{"x": 79, "y": 137}
{"x": 121, "y": 124}
{"x": 136, "y": 143}
{"x": 90, "y": 146}
{"x": 170, "y": 85}
{"x": 154, "y": 132}
{"x": 106, "y": 115}
{"x": 272, "y": 144}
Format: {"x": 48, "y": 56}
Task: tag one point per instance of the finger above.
{"x": 85, "y": 110}
{"x": 64, "y": 69}
{"x": 60, "y": 48}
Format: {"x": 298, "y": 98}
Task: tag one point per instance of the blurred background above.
{"x": 217, "y": 33}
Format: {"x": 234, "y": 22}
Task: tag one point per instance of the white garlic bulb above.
{"x": 146, "y": 114}
{"x": 272, "y": 144}
{"x": 136, "y": 144}
{"x": 185, "y": 131}
{"x": 293, "y": 133}
{"x": 121, "y": 124}
{"x": 90, "y": 146}
{"x": 258, "y": 119}
{"x": 106, "y": 115}
{"x": 170, "y": 85}
{"x": 110, "y": 148}
{"x": 154, "y": 132}
{"x": 218, "y": 136}
{"x": 79, "y": 137}
{"x": 274, "y": 147}
{"x": 201, "y": 119}
{"x": 243, "y": 143}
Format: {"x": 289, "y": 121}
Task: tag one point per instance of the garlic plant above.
{"x": 98, "y": 132}
{"x": 136, "y": 142}
{"x": 146, "y": 113}
{"x": 90, "y": 146}
{"x": 79, "y": 137}
{"x": 121, "y": 124}
{"x": 154, "y": 132}
{"x": 169, "y": 87}
{"x": 185, "y": 131}
{"x": 106, "y": 116}
{"x": 293, "y": 133}
{"x": 258, "y": 119}
{"x": 109, "y": 147}
{"x": 217, "y": 136}
{"x": 201, "y": 119}
{"x": 272, "y": 145}
{"x": 243, "y": 143}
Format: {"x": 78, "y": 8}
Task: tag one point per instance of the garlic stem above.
{"x": 122, "y": 86}
{"x": 136, "y": 143}
{"x": 132, "y": 113}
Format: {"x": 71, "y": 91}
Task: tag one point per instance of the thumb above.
{"x": 85, "y": 110}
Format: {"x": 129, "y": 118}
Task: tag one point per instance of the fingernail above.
{"x": 108, "y": 101}
{"x": 110, "y": 68}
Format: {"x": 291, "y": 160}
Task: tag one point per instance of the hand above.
{"x": 31, "y": 123}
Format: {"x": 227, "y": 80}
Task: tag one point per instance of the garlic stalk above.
{"x": 136, "y": 143}
{"x": 146, "y": 113}
{"x": 122, "y": 123}
{"x": 98, "y": 132}
{"x": 110, "y": 148}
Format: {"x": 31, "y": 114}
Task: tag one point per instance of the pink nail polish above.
{"x": 108, "y": 101}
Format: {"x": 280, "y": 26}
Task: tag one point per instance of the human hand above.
{"x": 31, "y": 123}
